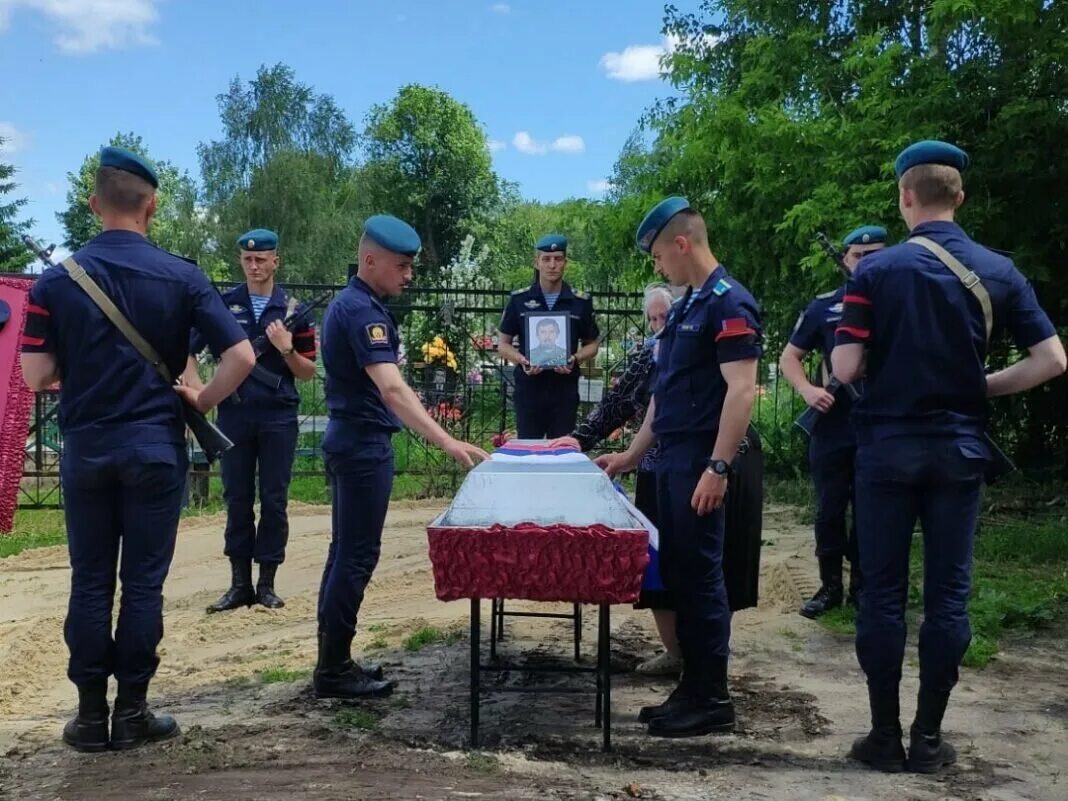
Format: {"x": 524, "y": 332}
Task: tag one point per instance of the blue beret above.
{"x": 930, "y": 151}
{"x": 258, "y": 239}
{"x": 865, "y": 235}
{"x": 393, "y": 234}
{"x": 122, "y": 159}
{"x": 551, "y": 243}
{"x": 656, "y": 219}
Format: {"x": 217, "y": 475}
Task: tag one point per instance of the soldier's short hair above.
{"x": 122, "y": 191}
{"x": 934, "y": 185}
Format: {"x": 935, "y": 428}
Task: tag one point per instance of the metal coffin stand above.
{"x": 499, "y": 537}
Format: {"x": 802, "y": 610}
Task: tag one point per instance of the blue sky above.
{"x": 558, "y": 85}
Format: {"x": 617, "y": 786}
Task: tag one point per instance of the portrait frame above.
{"x": 542, "y": 356}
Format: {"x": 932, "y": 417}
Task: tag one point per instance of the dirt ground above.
{"x": 799, "y": 694}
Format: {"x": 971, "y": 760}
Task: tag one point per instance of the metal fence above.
{"x": 468, "y": 389}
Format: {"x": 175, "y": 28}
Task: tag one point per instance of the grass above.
{"x": 482, "y": 763}
{"x": 34, "y": 528}
{"x": 430, "y": 635}
{"x": 378, "y": 644}
{"x": 280, "y": 675}
{"x": 1019, "y": 584}
{"x": 359, "y": 719}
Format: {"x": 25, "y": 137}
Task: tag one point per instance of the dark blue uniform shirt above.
{"x": 582, "y": 328}
{"x": 358, "y": 331}
{"x": 110, "y": 394}
{"x": 721, "y": 325}
{"x": 815, "y": 331}
{"x": 926, "y": 335}
{"x": 254, "y": 394}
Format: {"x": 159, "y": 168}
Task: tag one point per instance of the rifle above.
{"x": 834, "y": 253}
{"x": 1000, "y": 464}
{"x": 211, "y": 439}
{"x": 262, "y": 343}
{"x": 811, "y": 416}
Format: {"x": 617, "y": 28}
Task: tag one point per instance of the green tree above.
{"x": 14, "y": 257}
{"x": 792, "y": 113}
{"x": 427, "y": 162}
{"x": 283, "y": 163}
{"x": 178, "y": 225}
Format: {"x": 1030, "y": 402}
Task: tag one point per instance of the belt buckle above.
{"x": 971, "y": 279}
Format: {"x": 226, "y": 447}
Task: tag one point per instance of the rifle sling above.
{"x": 967, "y": 277}
{"x": 118, "y": 319}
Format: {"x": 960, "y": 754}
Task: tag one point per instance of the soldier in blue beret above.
{"x": 921, "y": 315}
{"x": 833, "y": 444}
{"x": 261, "y": 420}
{"x": 124, "y": 454}
{"x": 368, "y": 401}
{"x": 546, "y": 399}
{"x": 703, "y": 397}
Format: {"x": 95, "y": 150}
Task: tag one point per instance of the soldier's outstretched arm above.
{"x": 404, "y": 403}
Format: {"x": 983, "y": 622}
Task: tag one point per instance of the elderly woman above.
{"x": 628, "y": 400}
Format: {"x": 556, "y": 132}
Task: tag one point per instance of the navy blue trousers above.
{"x": 546, "y": 416}
{"x": 691, "y": 562}
{"x": 116, "y": 500}
{"x": 265, "y": 443}
{"x": 935, "y": 480}
{"x": 832, "y": 478}
{"x": 361, "y": 478}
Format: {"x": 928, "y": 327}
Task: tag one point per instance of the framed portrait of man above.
{"x": 547, "y": 338}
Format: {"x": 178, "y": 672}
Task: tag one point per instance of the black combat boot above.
{"x": 241, "y": 592}
{"x": 705, "y": 707}
{"x": 829, "y": 595}
{"x": 370, "y": 668}
{"x": 674, "y": 703}
{"x": 88, "y": 731}
{"x": 337, "y": 676}
{"x": 265, "y": 593}
{"x": 881, "y": 748}
{"x": 132, "y": 722}
{"x": 928, "y": 752}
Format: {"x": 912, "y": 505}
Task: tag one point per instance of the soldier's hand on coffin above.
{"x": 280, "y": 336}
{"x": 464, "y": 452}
{"x": 615, "y": 463}
{"x": 566, "y": 370}
{"x": 818, "y": 398}
{"x": 565, "y": 442}
{"x": 709, "y": 493}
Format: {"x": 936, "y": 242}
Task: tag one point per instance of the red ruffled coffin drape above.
{"x": 16, "y": 399}
{"x": 579, "y": 564}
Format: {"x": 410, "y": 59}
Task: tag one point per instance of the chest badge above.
{"x": 237, "y": 308}
{"x": 377, "y": 334}
{"x": 721, "y": 288}
{"x": 532, "y": 304}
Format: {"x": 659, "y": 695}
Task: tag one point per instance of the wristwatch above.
{"x": 718, "y": 467}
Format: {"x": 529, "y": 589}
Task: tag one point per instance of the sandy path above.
{"x": 800, "y": 696}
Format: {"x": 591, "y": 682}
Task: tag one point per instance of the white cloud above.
{"x": 568, "y": 144}
{"x": 599, "y": 186}
{"x": 14, "y": 139}
{"x": 500, "y": 8}
{"x": 86, "y": 26}
{"x": 643, "y": 62}
{"x": 528, "y": 145}
{"x": 495, "y": 145}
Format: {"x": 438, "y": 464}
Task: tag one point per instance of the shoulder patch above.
{"x": 826, "y": 295}
{"x": 721, "y": 288}
{"x": 377, "y": 334}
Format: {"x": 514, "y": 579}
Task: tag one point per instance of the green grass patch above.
{"x": 430, "y": 635}
{"x": 842, "y": 620}
{"x": 359, "y": 719}
{"x": 377, "y": 628}
{"x": 377, "y": 644}
{"x": 482, "y": 763}
{"x": 34, "y": 528}
{"x": 280, "y": 675}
